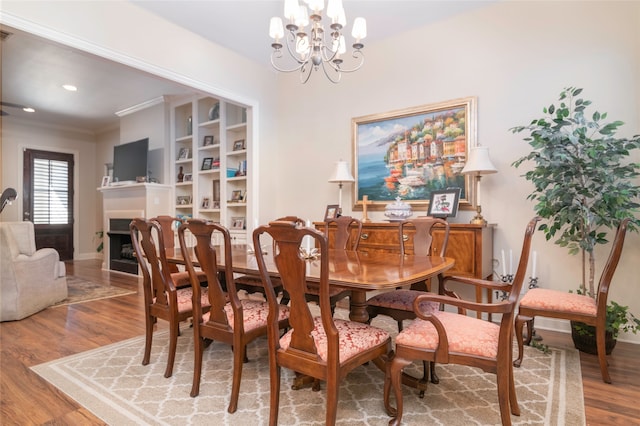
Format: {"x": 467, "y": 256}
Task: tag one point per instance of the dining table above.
{"x": 359, "y": 271}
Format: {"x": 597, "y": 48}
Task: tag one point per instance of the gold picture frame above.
{"x": 412, "y": 152}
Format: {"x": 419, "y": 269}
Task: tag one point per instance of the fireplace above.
{"x": 121, "y": 254}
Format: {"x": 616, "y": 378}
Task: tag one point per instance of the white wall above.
{"x": 514, "y": 56}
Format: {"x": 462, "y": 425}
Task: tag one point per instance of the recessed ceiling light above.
{"x": 70, "y": 87}
{"x": 28, "y": 109}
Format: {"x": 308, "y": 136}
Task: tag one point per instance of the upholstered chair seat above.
{"x": 554, "y": 300}
{"x": 254, "y": 314}
{"x": 466, "y": 335}
{"x": 354, "y": 338}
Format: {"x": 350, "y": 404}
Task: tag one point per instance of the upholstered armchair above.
{"x": 30, "y": 279}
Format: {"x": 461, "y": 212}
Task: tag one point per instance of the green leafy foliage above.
{"x": 582, "y": 177}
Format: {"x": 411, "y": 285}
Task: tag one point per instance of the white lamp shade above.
{"x": 341, "y": 173}
{"x": 276, "y": 30}
{"x": 479, "y": 162}
{"x": 359, "y": 28}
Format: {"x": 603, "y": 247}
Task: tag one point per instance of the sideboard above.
{"x": 470, "y": 245}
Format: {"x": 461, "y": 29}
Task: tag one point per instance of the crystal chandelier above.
{"x": 310, "y": 47}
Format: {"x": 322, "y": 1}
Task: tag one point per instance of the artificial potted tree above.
{"x": 584, "y": 186}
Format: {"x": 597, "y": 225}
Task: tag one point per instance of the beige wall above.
{"x": 514, "y": 56}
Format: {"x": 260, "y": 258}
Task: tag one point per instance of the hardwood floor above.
{"x": 26, "y": 399}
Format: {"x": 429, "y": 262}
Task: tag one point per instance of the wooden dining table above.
{"x": 359, "y": 271}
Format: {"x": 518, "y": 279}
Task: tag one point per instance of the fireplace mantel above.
{"x": 129, "y": 201}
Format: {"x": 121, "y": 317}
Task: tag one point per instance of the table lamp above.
{"x": 341, "y": 174}
{"x": 478, "y": 164}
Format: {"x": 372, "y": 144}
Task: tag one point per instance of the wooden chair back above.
{"x": 423, "y": 237}
{"x": 609, "y": 270}
{"x": 152, "y": 261}
{"x": 343, "y": 238}
{"x": 207, "y": 257}
{"x": 287, "y": 238}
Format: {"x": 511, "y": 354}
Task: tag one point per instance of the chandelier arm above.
{"x": 358, "y": 55}
{"x": 333, "y": 68}
{"x": 273, "y": 55}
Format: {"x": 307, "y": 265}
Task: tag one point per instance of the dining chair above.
{"x": 398, "y": 304}
{"x": 543, "y": 302}
{"x": 169, "y": 226}
{"x": 342, "y": 239}
{"x": 456, "y": 338}
{"x": 322, "y": 347}
{"x": 162, "y": 298}
{"x": 229, "y": 320}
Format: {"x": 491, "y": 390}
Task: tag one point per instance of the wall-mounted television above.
{"x": 130, "y": 160}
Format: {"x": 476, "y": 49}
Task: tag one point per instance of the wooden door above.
{"x": 48, "y": 199}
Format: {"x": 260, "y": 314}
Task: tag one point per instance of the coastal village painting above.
{"x": 413, "y": 154}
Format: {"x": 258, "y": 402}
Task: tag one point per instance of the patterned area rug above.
{"x": 111, "y": 382}
{"x": 80, "y": 291}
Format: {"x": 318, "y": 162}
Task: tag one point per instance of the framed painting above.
{"x": 444, "y": 203}
{"x": 413, "y": 152}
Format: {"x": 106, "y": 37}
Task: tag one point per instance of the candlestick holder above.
{"x": 502, "y": 295}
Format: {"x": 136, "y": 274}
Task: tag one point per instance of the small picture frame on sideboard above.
{"x": 106, "y": 180}
{"x": 331, "y": 212}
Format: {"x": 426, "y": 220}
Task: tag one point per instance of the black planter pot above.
{"x": 587, "y": 342}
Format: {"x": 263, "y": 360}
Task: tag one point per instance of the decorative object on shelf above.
{"x": 365, "y": 204}
{"x": 189, "y": 126}
{"x": 479, "y": 164}
{"x": 180, "y": 175}
{"x": 183, "y": 200}
{"x": 188, "y": 177}
{"x": 216, "y": 190}
{"x": 208, "y": 140}
{"x": 444, "y": 203}
{"x": 236, "y": 196}
{"x": 207, "y": 163}
{"x": 340, "y": 175}
{"x": 184, "y": 154}
{"x": 238, "y": 145}
{"x": 413, "y": 151}
{"x": 106, "y": 180}
{"x": 237, "y": 222}
{"x": 331, "y": 212}
{"x": 206, "y": 203}
{"x": 214, "y": 112}
{"x": 308, "y": 48}
{"x": 398, "y": 211}
{"x": 242, "y": 168}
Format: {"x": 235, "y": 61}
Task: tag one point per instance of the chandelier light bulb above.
{"x": 291, "y": 8}
{"x": 359, "y": 29}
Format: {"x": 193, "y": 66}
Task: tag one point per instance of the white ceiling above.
{"x": 33, "y": 69}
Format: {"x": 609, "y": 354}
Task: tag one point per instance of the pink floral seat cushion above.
{"x": 402, "y": 300}
{"x": 466, "y": 335}
{"x": 185, "y": 296}
{"x": 354, "y": 337}
{"x": 254, "y": 314}
{"x": 555, "y": 300}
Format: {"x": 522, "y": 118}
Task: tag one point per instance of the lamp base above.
{"x": 478, "y": 219}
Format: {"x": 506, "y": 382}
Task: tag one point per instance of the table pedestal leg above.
{"x": 358, "y": 306}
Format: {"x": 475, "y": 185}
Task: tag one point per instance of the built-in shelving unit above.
{"x": 211, "y": 162}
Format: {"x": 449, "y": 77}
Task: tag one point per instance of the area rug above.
{"x": 81, "y": 290}
{"x": 111, "y": 382}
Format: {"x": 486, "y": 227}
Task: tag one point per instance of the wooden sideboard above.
{"x": 470, "y": 245}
